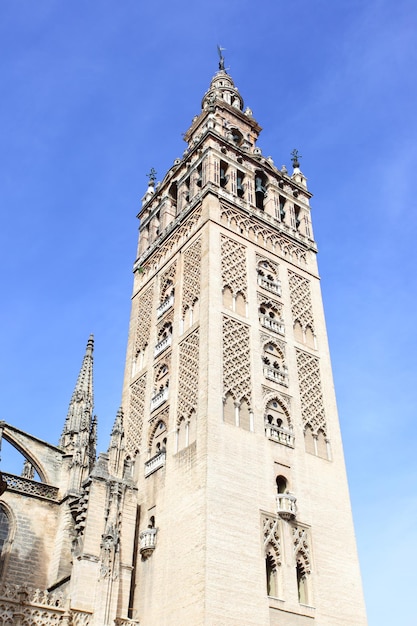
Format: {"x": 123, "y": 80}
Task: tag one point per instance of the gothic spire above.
{"x": 80, "y": 411}
{"x": 116, "y": 446}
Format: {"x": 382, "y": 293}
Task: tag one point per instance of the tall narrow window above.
{"x": 271, "y": 576}
{"x": 260, "y": 189}
{"x": 281, "y": 484}
{"x": 302, "y": 583}
{"x": 4, "y": 537}
{"x": 224, "y": 177}
{"x": 240, "y": 184}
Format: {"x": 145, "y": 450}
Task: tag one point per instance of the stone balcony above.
{"x": 155, "y": 463}
{"x": 270, "y": 285}
{"x": 162, "y": 345}
{"x": 165, "y": 306}
{"x": 159, "y": 398}
{"x": 271, "y": 323}
{"x": 147, "y": 540}
{"x": 277, "y": 375}
{"x": 280, "y": 435}
{"x": 286, "y": 505}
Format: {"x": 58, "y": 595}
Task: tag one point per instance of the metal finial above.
{"x": 152, "y": 176}
{"x": 295, "y": 158}
{"x": 221, "y": 57}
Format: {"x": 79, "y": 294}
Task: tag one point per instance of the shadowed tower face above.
{"x": 230, "y": 421}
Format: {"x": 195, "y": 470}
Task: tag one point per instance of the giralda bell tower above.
{"x": 230, "y": 418}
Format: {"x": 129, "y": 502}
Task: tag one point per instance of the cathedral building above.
{"x": 222, "y": 499}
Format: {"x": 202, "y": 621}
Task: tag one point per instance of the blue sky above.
{"x": 96, "y": 93}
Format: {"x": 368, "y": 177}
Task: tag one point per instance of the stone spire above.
{"x": 116, "y": 446}
{"x": 78, "y": 437}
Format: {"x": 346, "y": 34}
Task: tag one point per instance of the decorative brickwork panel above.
{"x": 192, "y": 271}
{"x": 135, "y": 416}
{"x": 234, "y": 266}
{"x": 179, "y": 237}
{"x": 188, "y": 375}
{"x": 165, "y": 323}
{"x": 167, "y": 282}
{"x": 236, "y": 360}
{"x": 270, "y": 303}
{"x": 272, "y": 539}
{"x": 143, "y": 328}
{"x": 301, "y": 542}
{"x": 162, "y": 415}
{"x": 162, "y": 370}
{"x": 270, "y": 396}
{"x": 264, "y": 236}
{"x": 266, "y": 264}
{"x": 301, "y": 306}
{"x": 312, "y": 407}
{"x": 266, "y": 339}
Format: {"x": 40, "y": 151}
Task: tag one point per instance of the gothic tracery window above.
{"x": 268, "y": 277}
{"x": 159, "y": 439}
{"x": 274, "y": 367}
{"x": 278, "y": 426}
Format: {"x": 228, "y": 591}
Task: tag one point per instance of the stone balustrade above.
{"x": 271, "y": 323}
{"x": 281, "y": 435}
{"x": 155, "y": 463}
{"x": 270, "y": 285}
{"x": 277, "y": 375}
{"x": 159, "y": 398}
{"x": 147, "y": 540}
{"x": 30, "y": 487}
{"x": 21, "y": 604}
{"x": 165, "y": 306}
{"x": 162, "y": 345}
{"x": 286, "y": 505}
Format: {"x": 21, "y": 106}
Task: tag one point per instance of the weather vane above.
{"x": 221, "y": 57}
{"x": 152, "y": 176}
{"x": 295, "y": 158}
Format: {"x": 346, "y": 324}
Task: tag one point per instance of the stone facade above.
{"x": 222, "y": 499}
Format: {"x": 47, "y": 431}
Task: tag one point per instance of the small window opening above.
{"x": 224, "y": 177}
{"x": 4, "y": 536}
{"x": 173, "y": 192}
{"x": 260, "y": 189}
{"x": 281, "y": 482}
{"x": 281, "y": 208}
{"x": 187, "y": 189}
{"x": 199, "y": 179}
{"x": 240, "y": 187}
{"x": 237, "y": 136}
{"x": 271, "y": 574}
{"x": 297, "y": 211}
{"x": 301, "y": 583}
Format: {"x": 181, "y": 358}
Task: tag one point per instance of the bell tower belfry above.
{"x": 230, "y": 420}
